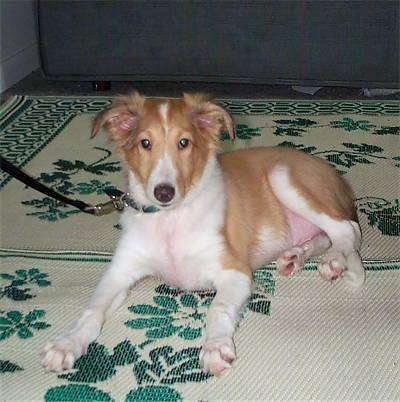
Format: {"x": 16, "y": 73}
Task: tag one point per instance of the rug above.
{"x": 299, "y": 338}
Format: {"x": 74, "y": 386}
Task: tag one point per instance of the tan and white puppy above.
{"x": 220, "y": 217}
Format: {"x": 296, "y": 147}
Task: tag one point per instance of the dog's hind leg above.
{"x": 342, "y": 257}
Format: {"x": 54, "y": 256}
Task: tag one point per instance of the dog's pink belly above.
{"x": 301, "y": 230}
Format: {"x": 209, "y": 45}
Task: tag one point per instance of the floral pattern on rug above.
{"x": 15, "y": 322}
{"x": 155, "y": 366}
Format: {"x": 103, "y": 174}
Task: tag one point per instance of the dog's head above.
{"x": 165, "y": 143}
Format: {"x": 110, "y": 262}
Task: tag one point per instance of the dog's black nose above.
{"x": 164, "y": 193}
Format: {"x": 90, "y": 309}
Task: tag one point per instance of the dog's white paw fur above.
{"x": 332, "y": 266}
{"x": 62, "y": 353}
{"x": 217, "y": 355}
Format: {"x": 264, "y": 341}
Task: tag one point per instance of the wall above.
{"x": 19, "y": 45}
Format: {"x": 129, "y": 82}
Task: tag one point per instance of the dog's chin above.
{"x": 168, "y": 205}
{"x": 165, "y": 206}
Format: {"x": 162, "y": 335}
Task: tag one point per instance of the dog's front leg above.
{"x": 233, "y": 289}
{"x": 61, "y": 353}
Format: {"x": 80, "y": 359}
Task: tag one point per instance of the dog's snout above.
{"x": 164, "y": 193}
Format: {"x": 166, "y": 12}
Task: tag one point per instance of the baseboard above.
{"x": 18, "y": 66}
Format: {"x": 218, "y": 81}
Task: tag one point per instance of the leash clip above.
{"x": 117, "y": 202}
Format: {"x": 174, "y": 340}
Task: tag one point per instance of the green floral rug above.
{"x": 299, "y": 338}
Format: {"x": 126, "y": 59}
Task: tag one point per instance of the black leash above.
{"x": 118, "y": 201}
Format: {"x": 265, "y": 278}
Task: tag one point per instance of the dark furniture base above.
{"x": 101, "y": 85}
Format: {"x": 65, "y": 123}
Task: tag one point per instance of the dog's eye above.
{"x": 183, "y": 143}
{"x": 146, "y": 144}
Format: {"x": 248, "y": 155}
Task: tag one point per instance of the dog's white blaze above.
{"x": 163, "y": 172}
{"x": 164, "y": 111}
{"x": 163, "y": 108}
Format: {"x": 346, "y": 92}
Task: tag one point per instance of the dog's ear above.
{"x": 120, "y": 119}
{"x": 209, "y": 116}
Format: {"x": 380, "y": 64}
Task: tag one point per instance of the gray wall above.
{"x": 19, "y": 45}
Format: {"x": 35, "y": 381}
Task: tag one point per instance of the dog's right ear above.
{"x": 120, "y": 119}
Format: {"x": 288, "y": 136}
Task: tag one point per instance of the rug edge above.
{"x": 105, "y": 257}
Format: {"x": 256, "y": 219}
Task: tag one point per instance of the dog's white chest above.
{"x": 189, "y": 257}
{"x": 182, "y": 248}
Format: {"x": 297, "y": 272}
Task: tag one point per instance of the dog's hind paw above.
{"x": 332, "y": 266}
{"x": 217, "y": 355}
{"x": 290, "y": 261}
{"x": 61, "y": 354}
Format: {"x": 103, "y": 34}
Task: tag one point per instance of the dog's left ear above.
{"x": 209, "y": 116}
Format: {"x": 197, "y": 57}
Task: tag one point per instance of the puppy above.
{"x": 218, "y": 218}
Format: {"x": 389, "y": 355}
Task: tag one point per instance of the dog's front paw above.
{"x": 62, "y": 353}
{"x": 216, "y": 355}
